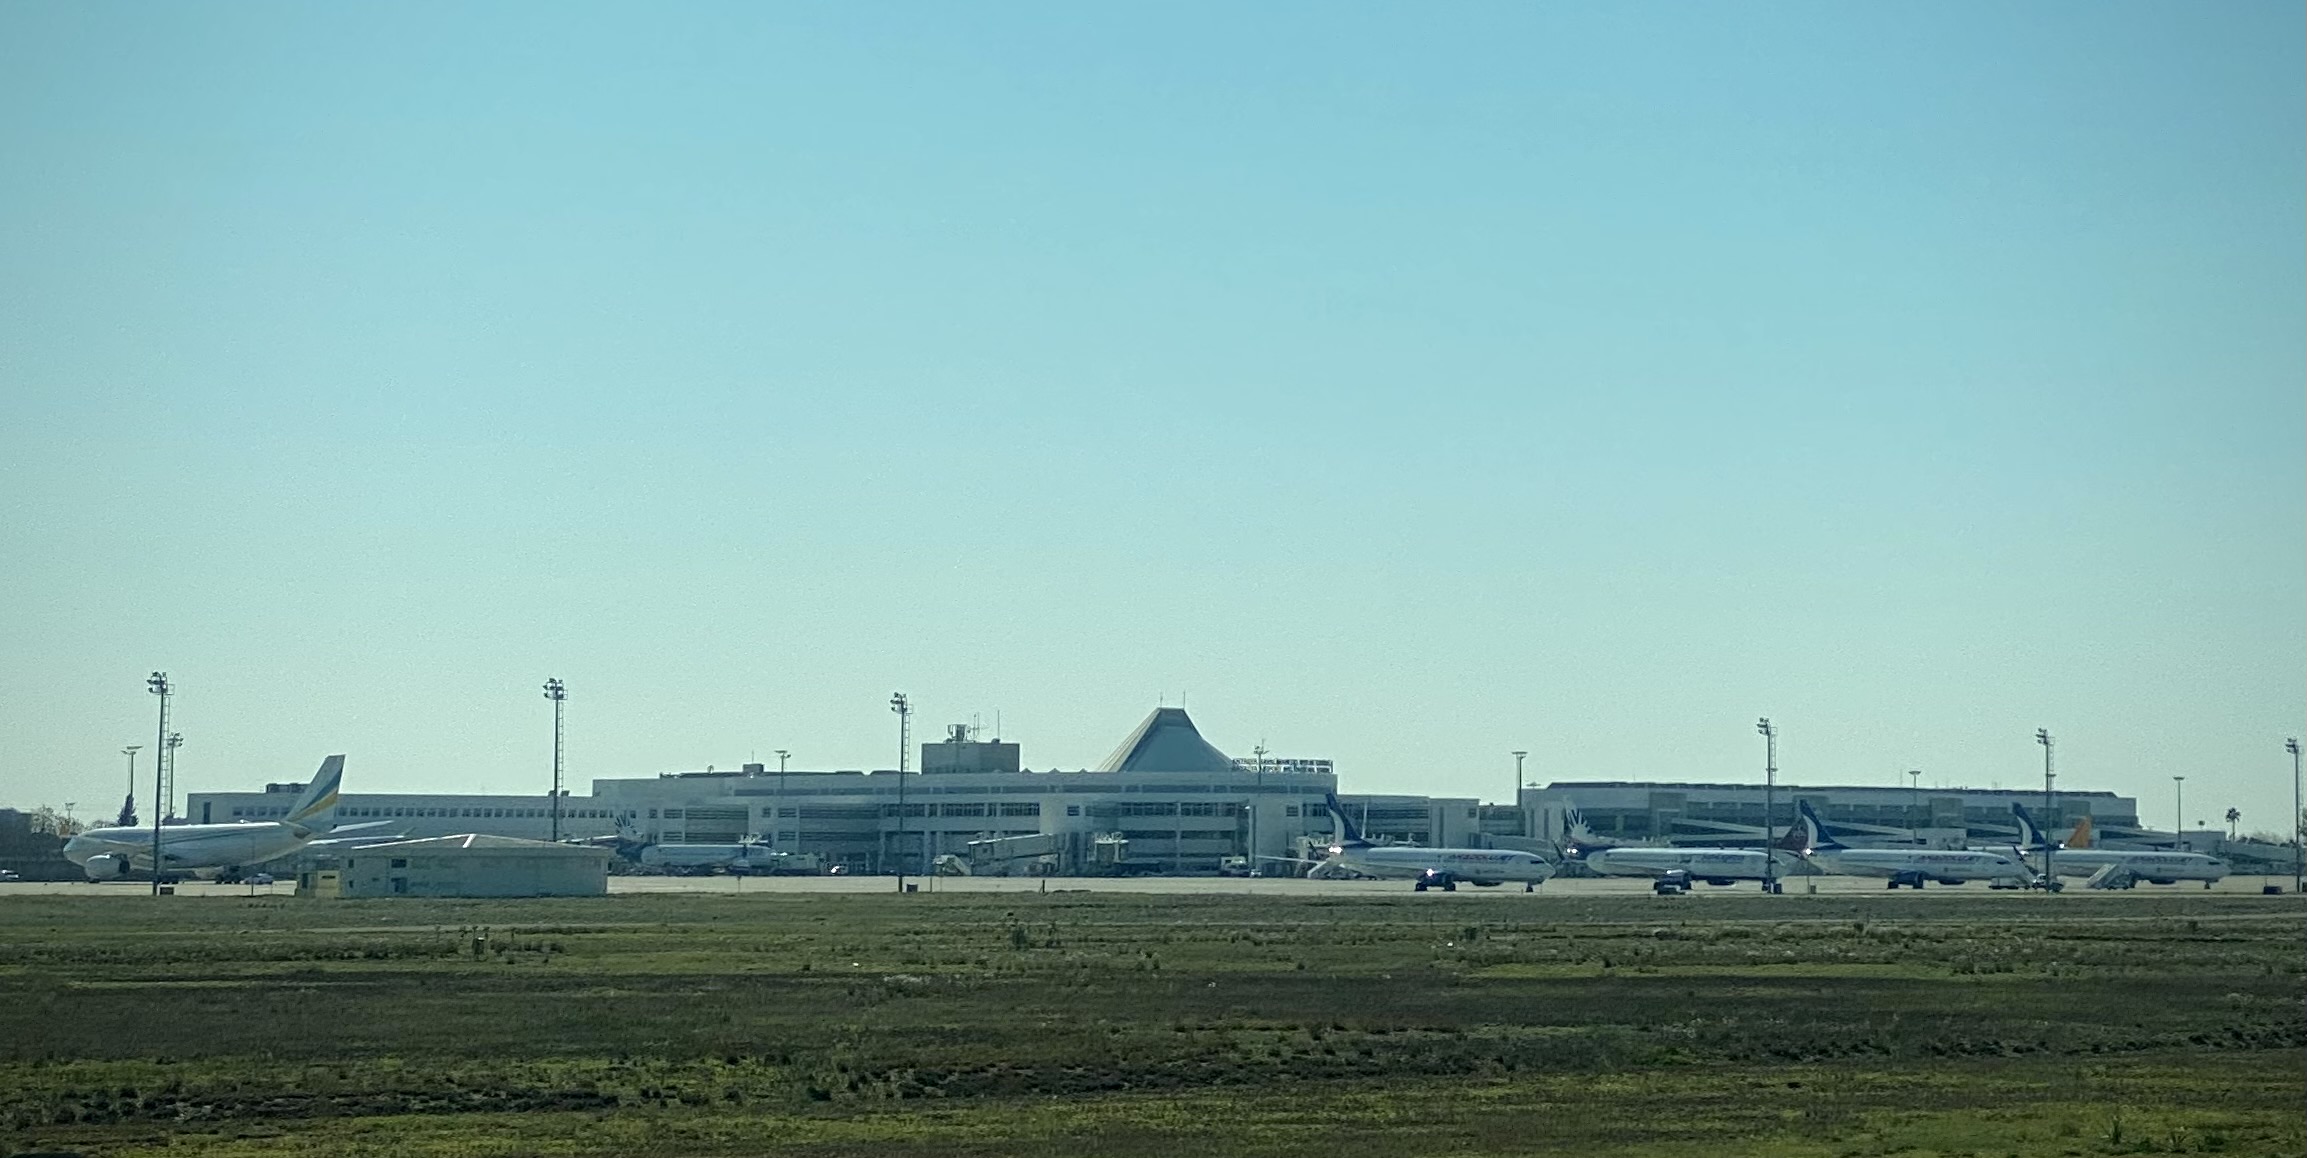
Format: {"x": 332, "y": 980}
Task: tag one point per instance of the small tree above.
{"x": 48, "y": 820}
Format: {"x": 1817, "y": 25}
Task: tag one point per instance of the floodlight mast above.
{"x": 2050, "y": 844}
{"x": 1256, "y": 794}
{"x": 1521, "y": 822}
{"x": 1914, "y": 804}
{"x": 127, "y": 815}
{"x": 557, "y": 692}
{"x": 904, "y": 709}
{"x": 158, "y": 685}
{"x": 1769, "y": 803}
{"x": 2179, "y": 810}
{"x": 2298, "y": 828}
{"x": 774, "y": 826}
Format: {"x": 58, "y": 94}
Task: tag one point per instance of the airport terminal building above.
{"x": 1178, "y": 803}
{"x": 1732, "y": 815}
{"x": 1166, "y": 800}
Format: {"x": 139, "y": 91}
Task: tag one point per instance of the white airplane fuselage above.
{"x": 109, "y": 853}
{"x": 1944, "y": 865}
{"x": 191, "y": 847}
{"x": 1705, "y": 864}
{"x": 2146, "y": 864}
{"x": 1475, "y": 866}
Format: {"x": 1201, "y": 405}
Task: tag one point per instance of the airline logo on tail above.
{"x": 2081, "y": 837}
{"x": 320, "y": 795}
{"x": 1348, "y": 835}
{"x": 1815, "y": 838}
{"x": 2030, "y": 836}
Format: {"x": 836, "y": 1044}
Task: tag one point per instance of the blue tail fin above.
{"x": 1814, "y": 830}
{"x": 1347, "y": 834}
{"x": 2029, "y": 835}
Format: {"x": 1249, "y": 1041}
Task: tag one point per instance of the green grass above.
{"x": 1132, "y": 1024}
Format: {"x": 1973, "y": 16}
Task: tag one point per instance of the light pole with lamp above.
{"x": 2050, "y": 847}
{"x": 1914, "y": 803}
{"x": 2298, "y": 863}
{"x": 127, "y": 818}
{"x": 1769, "y": 803}
{"x": 782, "y": 755}
{"x": 1257, "y": 796}
{"x": 904, "y": 709}
{"x": 158, "y": 685}
{"x": 1521, "y": 822}
{"x": 2179, "y": 810}
{"x": 557, "y": 692}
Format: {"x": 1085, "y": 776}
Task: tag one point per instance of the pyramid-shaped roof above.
{"x": 1166, "y": 742}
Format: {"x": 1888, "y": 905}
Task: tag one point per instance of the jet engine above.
{"x": 106, "y": 866}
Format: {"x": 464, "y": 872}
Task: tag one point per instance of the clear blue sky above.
{"x": 1400, "y": 384}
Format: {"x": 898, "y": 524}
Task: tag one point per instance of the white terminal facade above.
{"x": 1181, "y": 804}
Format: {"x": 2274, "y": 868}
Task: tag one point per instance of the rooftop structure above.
{"x": 1167, "y": 742}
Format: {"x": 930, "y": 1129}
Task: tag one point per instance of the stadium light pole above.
{"x": 2050, "y": 846}
{"x": 1769, "y": 803}
{"x": 557, "y": 692}
{"x": 1914, "y": 803}
{"x": 158, "y": 685}
{"x": 904, "y": 709}
{"x": 2298, "y": 862}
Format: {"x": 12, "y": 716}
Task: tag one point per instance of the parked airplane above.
{"x": 196, "y": 849}
{"x": 2076, "y": 857}
{"x": 1715, "y": 866}
{"x": 1431, "y": 868}
{"x": 1912, "y": 867}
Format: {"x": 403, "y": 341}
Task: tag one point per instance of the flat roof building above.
{"x": 1732, "y": 814}
{"x": 469, "y": 865}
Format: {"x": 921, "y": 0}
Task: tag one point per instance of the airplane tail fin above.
{"x": 1796, "y": 840}
{"x": 2029, "y": 835}
{"x": 319, "y": 796}
{"x": 1815, "y": 837}
{"x": 1347, "y": 834}
{"x": 2081, "y": 837}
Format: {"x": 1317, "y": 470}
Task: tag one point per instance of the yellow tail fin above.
{"x": 2081, "y": 837}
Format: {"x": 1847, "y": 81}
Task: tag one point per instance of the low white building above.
{"x": 470, "y": 865}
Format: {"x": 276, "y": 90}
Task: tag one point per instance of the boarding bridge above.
{"x": 1005, "y": 855}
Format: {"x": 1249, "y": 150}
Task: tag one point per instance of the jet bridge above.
{"x": 1009, "y": 855}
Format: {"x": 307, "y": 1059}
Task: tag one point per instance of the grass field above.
{"x": 1129, "y": 1024}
